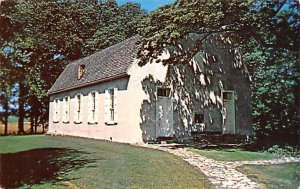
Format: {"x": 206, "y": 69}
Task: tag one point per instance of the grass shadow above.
{"x": 39, "y": 166}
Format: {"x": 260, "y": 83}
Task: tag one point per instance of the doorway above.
{"x": 164, "y": 114}
{"x": 229, "y": 112}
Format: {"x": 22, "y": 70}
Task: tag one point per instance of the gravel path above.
{"x": 220, "y": 174}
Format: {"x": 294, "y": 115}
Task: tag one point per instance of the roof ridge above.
{"x": 105, "y": 49}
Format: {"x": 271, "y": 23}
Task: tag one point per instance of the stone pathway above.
{"x": 222, "y": 175}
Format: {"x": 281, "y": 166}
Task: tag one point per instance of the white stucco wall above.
{"x": 196, "y": 87}
{"x": 123, "y": 131}
{"x": 130, "y": 97}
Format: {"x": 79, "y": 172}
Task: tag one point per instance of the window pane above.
{"x": 227, "y": 95}
{"x": 199, "y": 118}
{"x": 112, "y": 115}
{"x": 163, "y": 92}
{"x": 78, "y": 102}
{"x": 111, "y": 92}
{"x": 93, "y": 101}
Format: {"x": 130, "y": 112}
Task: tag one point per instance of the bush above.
{"x": 286, "y": 151}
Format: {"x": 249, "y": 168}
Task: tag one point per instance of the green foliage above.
{"x": 275, "y": 111}
{"x": 272, "y": 54}
{"x": 266, "y": 32}
{"x": 47, "y": 35}
{"x": 285, "y": 151}
{"x": 167, "y": 24}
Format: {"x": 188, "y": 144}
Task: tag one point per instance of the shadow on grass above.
{"x": 39, "y": 166}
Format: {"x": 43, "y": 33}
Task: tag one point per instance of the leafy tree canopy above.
{"x": 263, "y": 20}
{"x": 38, "y": 38}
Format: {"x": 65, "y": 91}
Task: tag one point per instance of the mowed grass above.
{"x": 284, "y": 176}
{"x": 233, "y": 154}
{"x": 112, "y": 165}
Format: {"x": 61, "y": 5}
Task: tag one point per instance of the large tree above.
{"x": 46, "y": 35}
{"x": 11, "y": 70}
{"x": 5, "y": 93}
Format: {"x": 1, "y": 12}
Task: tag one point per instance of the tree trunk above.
{"x": 6, "y": 114}
{"x": 298, "y": 100}
{"x": 6, "y": 126}
{"x": 21, "y": 108}
{"x": 36, "y": 123}
{"x": 32, "y": 102}
{"x": 297, "y": 103}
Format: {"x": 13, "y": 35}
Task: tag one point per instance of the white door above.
{"x": 164, "y": 117}
{"x": 229, "y": 112}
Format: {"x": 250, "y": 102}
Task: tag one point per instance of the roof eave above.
{"x": 89, "y": 83}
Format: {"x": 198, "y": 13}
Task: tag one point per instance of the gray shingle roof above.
{"x": 111, "y": 62}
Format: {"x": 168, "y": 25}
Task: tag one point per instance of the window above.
{"x": 111, "y": 106}
{"x": 78, "y": 111}
{"x": 228, "y": 95}
{"x": 56, "y": 111}
{"x": 163, "y": 92}
{"x": 199, "y": 118}
{"x": 81, "y": 71}
{"x": 66, "y": 109}
{"x": 93, "y": 107}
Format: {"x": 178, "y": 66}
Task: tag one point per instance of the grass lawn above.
{"x": 275, "y": 176}
{"x": 233, "y": 154}
{"x": 89, "y": 163}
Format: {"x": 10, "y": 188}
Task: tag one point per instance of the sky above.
{"x": 148, "y": 5}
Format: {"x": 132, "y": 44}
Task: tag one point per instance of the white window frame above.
{"x": 66, "y": 109}
{"x": 56, "y": 103}
{"x": 110, "y": 107}
{"x": 93, "y": 107}
{"x": 78, "y": 109}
